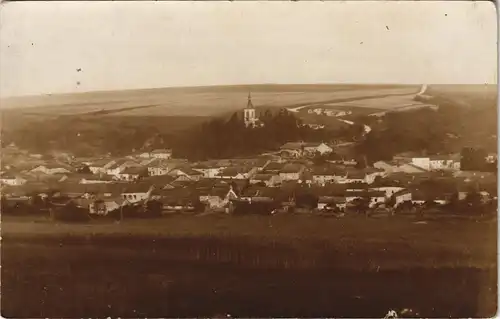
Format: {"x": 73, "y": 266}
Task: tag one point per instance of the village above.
{"x": 299, "y": 177}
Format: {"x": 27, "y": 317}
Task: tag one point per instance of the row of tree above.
{"x": 220, "y": 138}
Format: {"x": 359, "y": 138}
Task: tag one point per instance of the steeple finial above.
{"x": 249, "y": 104}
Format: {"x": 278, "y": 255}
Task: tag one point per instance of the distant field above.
{"x": 196, "y": 101}
{"x": 467, "y": 95}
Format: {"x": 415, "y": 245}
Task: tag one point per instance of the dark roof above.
{"x": 123, "y": 161}
{"x": 261, "y": 191}
{"x": 135, "y": 170}
{"x": 93, "y": 177}
{"x": 161, "y": 151}
{"x": 137, "y": 188}
{"x": 292, "y": 146}
{"x": 274, "y": 166}
{"x": 160, "y": 180}
{"x": 328, "y": 170}
{"x": 189, "y": 171}
{"x": 292, "y": 168}
{"x": 235, "y": 170}
{"x": 369, "y": 170}
{"x": 10, "y": 175}
{"x": 331, "y": 199}
{"x": 262, "y": 177}
{"x": 314, "y": 144}
{"x": 364, "y": 193}
{"x": 401, "y": 192}
{"x": 357, "y": 174}
{"x": 329, "y": 190}
{"x": 56, "y": 165}
{"x": 100, "y": 163}
{"x": 71, "y": 187}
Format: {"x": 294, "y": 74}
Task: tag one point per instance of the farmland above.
{"x": 206, "y": 101}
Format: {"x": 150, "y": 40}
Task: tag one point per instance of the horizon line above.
{"x": 240, "y": 85}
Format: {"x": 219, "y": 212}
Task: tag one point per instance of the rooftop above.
{"x": 263, "y": 177}
{"x": 293, "y": 146}
{"x": 329, "y": 170}
{"x": 273, "y": 166}
{"x": 162, "y": 151}
{"x": 291, "y": 168}
{"x": 134, "y": 170}
{"x": 137, "y": 188}
{"x": 235, "y": 170}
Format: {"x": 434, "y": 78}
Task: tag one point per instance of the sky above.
{"x": 62, "y": 47}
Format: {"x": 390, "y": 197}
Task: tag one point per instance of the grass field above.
{"x": 356, "y": 267}
{"x": 392, "y": 242}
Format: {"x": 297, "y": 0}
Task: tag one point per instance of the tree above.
{"x": 391, "y": 201}
{"x": 154, "y": 208}
{"x": 473, "y": 201}
{"x": 361, "y": 205}
{"x": 454, "y": 202}
{"x": 84, "y": 169}
{"x": 319, "y": 159}
{"x": 473, "y": 159}
{"x": 306, "y": 200}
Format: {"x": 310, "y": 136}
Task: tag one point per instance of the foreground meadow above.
{"x": 248, "y": 266}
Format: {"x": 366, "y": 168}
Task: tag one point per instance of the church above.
{"x": 251, "y": 120}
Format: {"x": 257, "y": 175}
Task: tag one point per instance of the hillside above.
{"x": 119, "y": 121}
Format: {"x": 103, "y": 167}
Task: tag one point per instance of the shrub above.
{"x": 70, "y": 213}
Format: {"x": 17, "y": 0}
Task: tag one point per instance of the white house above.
{"x": 375, "y": 197}
{"x": 291, "y": 172}
{"x": 444, "y": 162}
{"x": 12, "y": 180}
{"x": 237, "y": 172}
{"x": 218, "y": 198}
{"x": 185, "y": 174}
{"x": 158, "y": 167}
{"x": 437, "y": 162}
{"x": 120, "y": 165}
{"x": 51, "y": 169}
{"x": 389, "y": 190}
{"x": 324, "y": 175}
{"x": 313, "y": 148}
{"x": 100, "y": 166}
{"x": 131, "y": 173}
{"x": 162, "y": 153}
{"x": 270, "y": 180}
{"x": 292, "y": 149}
{"x": 491, "y": 157}
{"x": 97, "y": 179}
{"x": 353, "y": 176}
{"x": 402, "y": 196}
{"x": 208, "y": 170}
{"x": 390, "y": 168}
{"x": 136, "y": 192}
{"x": 372, "y": 173}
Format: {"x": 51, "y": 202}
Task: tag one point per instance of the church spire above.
{"x": 249, "y": 104}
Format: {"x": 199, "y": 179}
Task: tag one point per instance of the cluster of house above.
{"x": 416, "y": 163}
{"x": 178, "y": 184}
{"x": 329, "y": 112}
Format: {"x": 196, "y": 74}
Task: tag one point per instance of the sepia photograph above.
{"x": 256, "y": 159}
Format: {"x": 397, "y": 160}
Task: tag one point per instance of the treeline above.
{"x": 88, "y": 136}
{"x": 221, "y": 138}
{"x": 443, "y": 131}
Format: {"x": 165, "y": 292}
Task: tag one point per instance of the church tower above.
{"x": 249, "y": 113}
